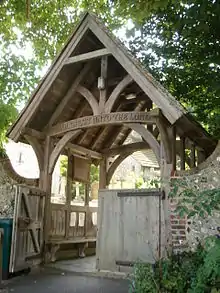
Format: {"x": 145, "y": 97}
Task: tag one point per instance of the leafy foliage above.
{"x": 193, "y": 201}
{"x": 180, "y": 46}
{"x": 188, "y": 272}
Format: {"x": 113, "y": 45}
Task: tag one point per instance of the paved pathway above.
{"x": 55, "y": 281}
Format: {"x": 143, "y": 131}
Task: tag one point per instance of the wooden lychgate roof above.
{"x": 70, "y": 91}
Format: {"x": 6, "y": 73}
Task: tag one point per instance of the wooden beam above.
{"x": 103, "y": 92}
{"x": 115, "y": 118}
{"x": 164, "y": 138}
{"x": 116, "y": 92}
{"x": 136, "y": 146}
{"x": 90, "y": 98}
{"x": 69, "y": 178}
{"x": 34, "y": 133}
{"x": 88, "y": 56}
{"x": 84, "y": 151}
{"x": 69, "y": 94}
{"x": 103, "y": 174}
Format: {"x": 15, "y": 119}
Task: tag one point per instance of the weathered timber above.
{"x": 125, "y": 148}
{"x": 84, "y": 151}
{"x": 34, "y": 133}
{"x": 59, "y": 146}
{"x": 103, "y": 91}
{"x": 47, "y": 81}
{"x": 88, "y": 56}
{"x": 148, "y": 137}
{"x": 173, "y": 111}
{"x": 69, "y": 94}
{"x": 90, "y": 98}
{"x": 103, "y": 119}
{"x": 116, "y": 92}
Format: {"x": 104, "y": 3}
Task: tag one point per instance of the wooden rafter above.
{"x": 84, "y": 151}
{"x": 88, "y": 56}
{"x": 131, "y": 147}
{"x": 69, "y": 94}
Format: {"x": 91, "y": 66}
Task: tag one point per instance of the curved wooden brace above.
{"x": 90, "y": 98}
{"x": 165, "y": 140}
{"x": 11, "y": 173}
{"x": 59, "y": 146}
{"x": 148, "y": 137}
{"x": 115, "y": 165}
{"x": 116, "y": 92}
{"x": 37, "y": 149}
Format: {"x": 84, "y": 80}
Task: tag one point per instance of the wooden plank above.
{"x": 69, "y": 94}
{"x": 84, "y": 151}
{"x": 47, "y": 81}
{"x": 73, "y": 240}
{"x": 116, "y": 92}
{"x": 139, "y": 193}
{"x": 88, "y": 56}
{"x": 32, "y": 231}
{"x": 104, "y": 119}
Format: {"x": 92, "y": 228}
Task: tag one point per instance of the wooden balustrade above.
{"x": 72, "y": 223}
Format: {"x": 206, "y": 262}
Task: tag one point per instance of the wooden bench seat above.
{"x": 73, "y": 240}
{"x": 54, "y": 245}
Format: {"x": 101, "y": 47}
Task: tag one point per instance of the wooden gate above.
{"x": 131, "y": 227}
{"x": 27, "y": 234}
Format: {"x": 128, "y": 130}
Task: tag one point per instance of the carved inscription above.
{"x": 103, "y": 119}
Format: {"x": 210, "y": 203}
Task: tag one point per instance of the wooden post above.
{"x": 150, "y": 126}
{"x": 45, "y": 184}
{"x": 87, "y": 187}
{"x": 173, "y": 149}
{"x": 192, "y": 156}
{"x": 103, "y": 174}
{"x": 182, "y": 153}
{"x": 104, "y": 67}
{"x": 88, "y": 214}
{"x": 200, "y": 156}
{"x": 69, "y": 178}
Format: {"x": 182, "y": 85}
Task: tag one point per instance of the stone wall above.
{"x": 7, "y": 194}
{"x": 186, "y": 233}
